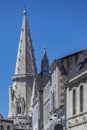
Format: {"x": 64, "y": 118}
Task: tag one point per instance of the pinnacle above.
{"x": 24, "y": 11}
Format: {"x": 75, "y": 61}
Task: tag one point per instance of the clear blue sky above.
{"x": 59, "y": 25}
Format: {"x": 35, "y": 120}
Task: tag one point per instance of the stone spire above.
{"x": 45, "y": 63}
{"x": 20, "y": 93}
{"x": 25, "y": 63}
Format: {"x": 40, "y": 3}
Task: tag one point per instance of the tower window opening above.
{"x": 74, "y": 102}
{"x": 81, "y": 98}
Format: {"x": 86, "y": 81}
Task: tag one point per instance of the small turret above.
{"x": 45, "y": 64}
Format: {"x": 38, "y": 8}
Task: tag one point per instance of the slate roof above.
{"x": 80, "y": 66}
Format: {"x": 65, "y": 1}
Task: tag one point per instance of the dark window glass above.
{"x": 74, "y": 101}
{"x": 81, "y": 98}
{"x": 2, "y": 127}
{"x": 8, "y": 127}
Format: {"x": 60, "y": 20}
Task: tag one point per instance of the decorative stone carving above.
{"x": 20, "y": 104}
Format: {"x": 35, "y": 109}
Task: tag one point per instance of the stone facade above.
{"x": 76, "y": 91}
{"x": 54, "y": 102}
{"x": 6, "y": 124}
{"x": 46, "y": 105}
{"x": 41, "y": 80}
{"x": 60, "y": 70}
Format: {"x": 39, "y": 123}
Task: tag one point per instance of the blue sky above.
{"x": 58, "y": 25}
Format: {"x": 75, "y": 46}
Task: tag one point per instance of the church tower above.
{"x": 20, "y": 92}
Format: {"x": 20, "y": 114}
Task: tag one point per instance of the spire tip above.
{"x": 25, "y": 11}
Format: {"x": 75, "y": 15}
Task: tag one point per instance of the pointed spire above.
{"x": 25, "y": 63}
{"x": 45, "y": 63}
{"x": 45, "y": 53}
{"x": 44, "y": 50}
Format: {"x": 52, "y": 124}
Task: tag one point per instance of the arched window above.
{"x": 81, "y": 98}
{"x": 74, "y": 102}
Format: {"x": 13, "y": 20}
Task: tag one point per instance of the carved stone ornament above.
{"x": 20, "y": 105}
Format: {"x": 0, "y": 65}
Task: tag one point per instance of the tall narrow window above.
{"x": 8, "y": 127}
{"x": 52, "y": 101}
{"x": 74, "y": 102}
{"x": 2, "y": 127}
{"x": 81, "y": 98}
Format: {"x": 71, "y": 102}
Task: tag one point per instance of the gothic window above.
{"x": 81, "y": 98}
{"x": 53, "y": 100}
{"x": 74, "y": 102}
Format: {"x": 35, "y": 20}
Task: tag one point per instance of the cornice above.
{"x": 23, "y": 77}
